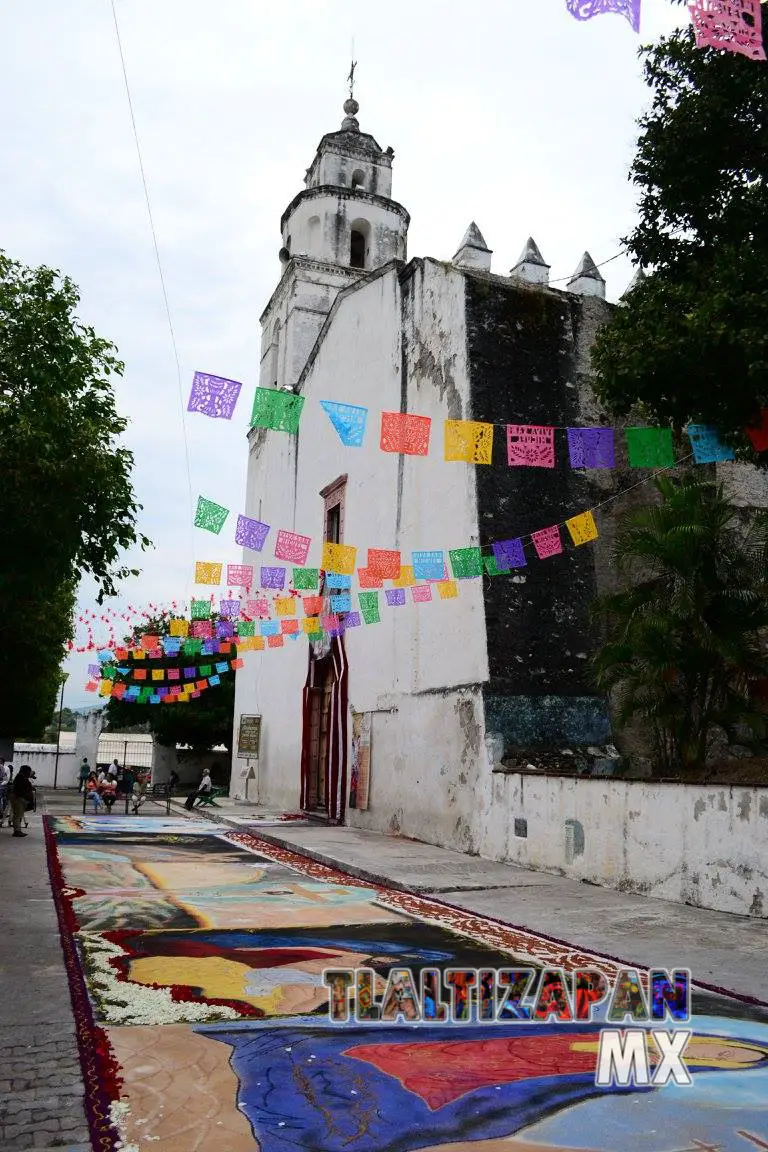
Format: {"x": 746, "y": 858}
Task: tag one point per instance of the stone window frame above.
{"x": 334, "y": 496}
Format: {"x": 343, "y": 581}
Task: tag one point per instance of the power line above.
{"x": 622, "y": 251}
{"x": 159, "y": 268}
{"x": 562, "y": 279}
{"x": 602, "y": 504}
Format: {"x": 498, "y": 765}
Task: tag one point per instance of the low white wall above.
{"x": 42, "y": 760}
{"x": 695, "y": 844}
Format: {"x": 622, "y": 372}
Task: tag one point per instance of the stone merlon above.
{"x": 473, "y": 251}
{"x": 531, "y": 265}
{"x": 586, "y": 280}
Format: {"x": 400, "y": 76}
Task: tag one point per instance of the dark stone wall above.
{"x": 525, "y": 368}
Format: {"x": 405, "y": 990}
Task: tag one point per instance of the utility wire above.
{"x": 562, "y": 279}
{"x": 160, "y": 271}
{"x": 609, "y": 500}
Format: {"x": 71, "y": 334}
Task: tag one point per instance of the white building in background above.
{"x": 434, "y": 686}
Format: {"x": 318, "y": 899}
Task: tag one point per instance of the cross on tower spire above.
{"x": 351, "y": 106}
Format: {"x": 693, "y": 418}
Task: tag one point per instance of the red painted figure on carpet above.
{"x": 441, "y": 1073}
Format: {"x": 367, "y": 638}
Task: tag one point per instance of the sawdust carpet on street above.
{"x": 195, "y": 955}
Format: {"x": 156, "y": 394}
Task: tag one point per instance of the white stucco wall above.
{"x": 294, "y": 316}
{"x": 697, "y": 844}
{"x": 425, "y": 660}
{"x": 42, "y": 760}
{"x": 337, "y": 165}
{"x": 320, "y": 226}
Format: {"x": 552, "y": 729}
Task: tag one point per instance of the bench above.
{"x": 208, "y": 799}
{"x": 162, "y": 792}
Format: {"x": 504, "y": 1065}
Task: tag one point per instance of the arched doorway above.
{"x": 324, "y": 734}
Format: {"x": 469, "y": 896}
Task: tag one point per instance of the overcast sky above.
{"x": 507, "y": 112}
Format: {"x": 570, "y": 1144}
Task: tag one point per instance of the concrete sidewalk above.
{"x": 724, "y": 951}
{"x": 41, "y": 1086}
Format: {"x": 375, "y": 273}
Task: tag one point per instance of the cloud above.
{"x": 514, "y": 115}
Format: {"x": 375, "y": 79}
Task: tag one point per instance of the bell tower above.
{"x": 342, "y": 226}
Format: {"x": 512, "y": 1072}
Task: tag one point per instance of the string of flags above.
{"x": 648, "y": 448}
{"x": 733, "y": 25}
{"x": 189, "y": 681}
{"x": 465, "y": 441}
{"x": 247, "y": 624}
{"x": 112, "y": 619}
{"x": 338, "y": 562}
{"x": 586, "y": 9}
{"x": 527, "y": 445}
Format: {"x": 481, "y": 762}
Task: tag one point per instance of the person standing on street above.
{"x": 85, "y": 772}
{"x": 8, "y": 765}
{"x": 22, "y": 797}
{"x": 114, "y": 769}
{"x": 5, "y": 780}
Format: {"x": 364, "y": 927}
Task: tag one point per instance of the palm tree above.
{"x": 685, "y": 649}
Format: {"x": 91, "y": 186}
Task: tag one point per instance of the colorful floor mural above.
{"x": 195, "y": 957}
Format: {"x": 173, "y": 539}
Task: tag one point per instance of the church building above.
{"x": 396, "y": 725}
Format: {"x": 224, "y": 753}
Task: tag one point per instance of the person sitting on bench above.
{"x": 92, "y": 789}
{"x": 140, "y": 791}
{"x": 204, "y": 789}
{"x": 109, "y": 792}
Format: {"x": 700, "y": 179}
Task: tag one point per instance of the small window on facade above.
{"x": 333, "y": 497}
{"x": 357, "y": 250}
{"x": 333, "y": 510}
{"x": 274, "y": 356}
{"x": 333, "y": 524}
{"x": 358, "y": 179}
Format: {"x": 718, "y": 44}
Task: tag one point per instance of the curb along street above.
{"x": 725, "y": 952}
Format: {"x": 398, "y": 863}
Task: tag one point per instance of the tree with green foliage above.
{"x": 30, "y": 672}
{"x": 68, "y": 724}
{"x": 692, "y": 343}
{"x": 685, "y": 652}
{"x": 67, "y": 507}
{"x": 201, "y": 724}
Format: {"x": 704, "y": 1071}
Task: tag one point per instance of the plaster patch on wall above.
{"x": 745, "y": 805}
{"x": 396, "y": 821}
{"x": 465, "y": 710}
{"x": 441, "y": 374}
{"x": 574, "y": 840}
